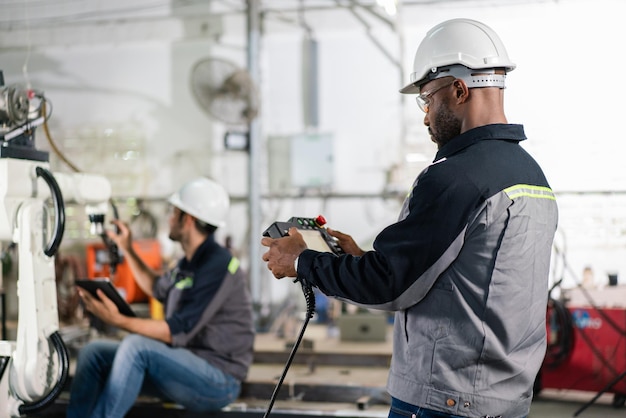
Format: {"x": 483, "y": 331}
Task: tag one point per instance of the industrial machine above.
{"x": 34, "y": 368}
{"x": 587, "y": 343}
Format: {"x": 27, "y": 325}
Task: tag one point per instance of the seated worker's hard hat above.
{"x": 203, "y": 199}
{"x": 458, "y": 48}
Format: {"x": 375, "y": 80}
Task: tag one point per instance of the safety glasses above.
{"x": 423, "y": 99}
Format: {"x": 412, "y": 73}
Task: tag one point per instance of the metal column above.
{"x": 254, "y": 207}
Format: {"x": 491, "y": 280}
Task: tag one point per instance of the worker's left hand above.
{"x": 102, "y": 307}
{"x": 283, "y": 252}
{"x": 122, "y": 237}
{"x": 346, "y": 242}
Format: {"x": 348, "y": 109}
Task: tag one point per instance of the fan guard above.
{"x": 224, "y": 91}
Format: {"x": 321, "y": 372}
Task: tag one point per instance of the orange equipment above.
{"x": 149, "y": 250}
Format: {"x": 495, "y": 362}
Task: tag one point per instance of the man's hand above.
{"x": 123, "y": 238}
{"x": 103, "y": 308}
{"x": 346, "y": 242}
{"x": 283, "y": 252}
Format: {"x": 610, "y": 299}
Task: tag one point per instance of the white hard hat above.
{"x": 203, "y": 199}
{"x": 461, "y": 45}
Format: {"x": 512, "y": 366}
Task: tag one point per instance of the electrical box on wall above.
{"x": 302, "y": 161}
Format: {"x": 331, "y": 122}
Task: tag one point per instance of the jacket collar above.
{"x": 200, "y": 255}
{"x": 498, "y": 131}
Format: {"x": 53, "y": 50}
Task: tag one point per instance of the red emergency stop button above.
{"x": 320, "y": 220}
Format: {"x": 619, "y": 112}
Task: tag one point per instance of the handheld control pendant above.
{"x": 318, "y": 239}
{"x": 312, "y": 230}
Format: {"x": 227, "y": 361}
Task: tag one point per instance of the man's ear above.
{"x": 189, "y": 220}
{"x": 461, "y": 91}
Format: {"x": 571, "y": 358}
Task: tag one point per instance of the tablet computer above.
{"x": 104, "y": 284}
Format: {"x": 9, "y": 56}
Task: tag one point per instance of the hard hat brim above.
{"x": 410, "y": 88}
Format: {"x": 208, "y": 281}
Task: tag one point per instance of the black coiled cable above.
{"x": 562, "y": 328}
{"x": 59, "y": 206}
{"x": 309, "y": 296}
{"x": 64, "y": 366}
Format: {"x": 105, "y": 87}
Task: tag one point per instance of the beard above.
{"x": 176, "y": 230}
{"x": 174, "y": 236}
{"x": 446, "y": 126}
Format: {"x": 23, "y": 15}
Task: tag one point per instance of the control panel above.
{"x": 312, "y": 230}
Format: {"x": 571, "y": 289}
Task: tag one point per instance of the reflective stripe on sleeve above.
{"x": 526, "y": 190}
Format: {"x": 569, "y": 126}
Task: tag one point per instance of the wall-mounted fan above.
{"x": 224, "y": 91}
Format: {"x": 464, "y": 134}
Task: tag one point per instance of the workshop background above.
{"x": 293, "y": 105}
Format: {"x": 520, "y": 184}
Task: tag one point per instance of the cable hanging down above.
{"x": 309, "y": 297}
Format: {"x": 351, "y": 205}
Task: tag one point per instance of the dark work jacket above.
{"x": 466, "y": 268}
{"x": 209, "y": 309}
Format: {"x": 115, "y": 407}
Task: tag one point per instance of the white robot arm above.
{"x": 34, "y": 368}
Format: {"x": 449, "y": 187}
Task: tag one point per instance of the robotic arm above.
{"x": 33, "y": 371}
{"x": 34, "y": 368}
{"x": 93, "y": 192}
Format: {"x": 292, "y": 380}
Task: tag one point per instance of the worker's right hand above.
{"x": 282, "y": 253}
{"x": 346, "y": 242}
{"x": 102, "y": 307}
{"x": 123, "y": 238}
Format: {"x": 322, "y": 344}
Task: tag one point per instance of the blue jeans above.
{"x": 110, "y": 375}
{"x": 401, "y": 409}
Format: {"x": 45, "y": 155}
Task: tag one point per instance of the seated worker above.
{"x": 200, "y": 353}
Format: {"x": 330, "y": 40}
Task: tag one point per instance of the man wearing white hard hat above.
{"x": 200, "y": 353}
{"x": 466, "y": 265}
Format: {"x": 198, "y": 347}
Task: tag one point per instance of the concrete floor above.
{"x": 562, "y": 404}
{"x": 551, "y": 406}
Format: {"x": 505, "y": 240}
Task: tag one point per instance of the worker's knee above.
{"x": 136, "y": 346}
{"x": 97, "y": 353}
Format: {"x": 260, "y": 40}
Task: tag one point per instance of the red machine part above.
{"x": 586, "y": 352}
{"x": 149, "y": 250}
